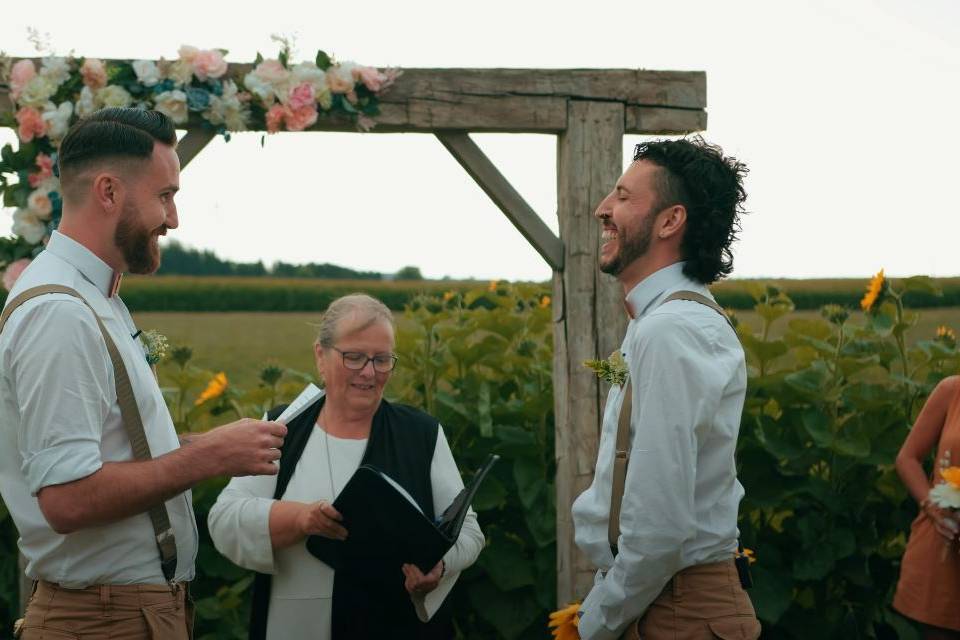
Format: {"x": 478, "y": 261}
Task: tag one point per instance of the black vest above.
{"x": 401, "y": 444}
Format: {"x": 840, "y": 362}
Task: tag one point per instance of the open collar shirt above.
{"x": 60, "y": 422}
{"x": 681, "y": 495}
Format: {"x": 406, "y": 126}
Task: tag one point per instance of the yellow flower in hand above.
{"x": 952, "y": 476}
{"x": 564, "y": 622}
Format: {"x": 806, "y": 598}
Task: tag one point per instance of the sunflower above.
{"x": 564, "y": 622}
{"x": 875, "y": 290}
{"x": 952, "y": 476}
{"x": 215, "y": 389}
{"x": 544, "y": 302}
{"x": 947, "y": 336}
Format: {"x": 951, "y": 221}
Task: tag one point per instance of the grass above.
{"x": 241, "y": 344}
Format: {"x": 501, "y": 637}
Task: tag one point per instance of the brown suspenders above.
{"x": 622, "y": 450}
{"x": 130, "y": 414}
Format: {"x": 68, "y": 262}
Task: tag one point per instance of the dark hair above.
{"x": 696, "y": 174}
{"x": 112, "y": 133}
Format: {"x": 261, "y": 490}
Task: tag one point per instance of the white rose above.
{"x": 226, "y": 109}
{"x": 147, "y": 72}
{"x": 114, "y": 96}
{"x": 37, "y": 92}
{"x": 172, "y": 104}
{"x": 57, "y": 119}
{"x": 340, "y": 78}
{"x": 28, "y": 226}
{"x": 55, "y": 69}
{"x": 38, "y": 202}
{"x": 309, "y": 72}
{"x": 86, "y": 104}
{"x": 259, "y": 87}
{"x": 49, "y": 185}
{"x": 181, "y": 72}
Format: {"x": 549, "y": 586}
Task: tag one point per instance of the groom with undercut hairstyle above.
{"x": 660, "y": 518}
{"x": 91, "y": 468}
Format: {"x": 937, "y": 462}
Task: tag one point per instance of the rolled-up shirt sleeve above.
{"x": 239, "y": 522}
{"x": 64, "y": 389}
{"x": 670, "y": 369}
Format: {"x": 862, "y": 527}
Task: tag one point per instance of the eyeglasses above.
{"x": 357, "y": 360}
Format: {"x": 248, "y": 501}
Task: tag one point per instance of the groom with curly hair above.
{"x": 660, "y": 518}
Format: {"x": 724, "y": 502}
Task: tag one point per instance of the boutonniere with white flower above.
{"x": 613, "y": 369}
{"x": 155, "y": 346}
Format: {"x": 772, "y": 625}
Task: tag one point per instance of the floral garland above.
{"x": 276, "y": 96}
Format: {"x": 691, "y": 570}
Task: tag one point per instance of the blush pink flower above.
{"x": 340, "y": 78}
{"x": 302, "y": 96}
{"x": 272, "y": 71}
{"x": 13, "y": 271}
{"x": 371, "y": 78}
{"x": 274, "y": 118}
{"x": 45, "y": 164}
{"x": 31, "y": 124}
{"x": 22, "y": 72}
{"x": 300, "y": 119}
{"x": 208, "y": 63}
{"x": 94, "y": 73}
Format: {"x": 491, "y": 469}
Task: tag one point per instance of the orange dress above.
{"x": 929, "y": 589}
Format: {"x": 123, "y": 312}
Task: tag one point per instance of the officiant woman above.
{"x": 261, "y": 522}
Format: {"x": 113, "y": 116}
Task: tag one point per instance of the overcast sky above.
{"x": 846, "y": 113}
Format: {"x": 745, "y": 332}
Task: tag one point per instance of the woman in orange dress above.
{"x": 929, "y": 587}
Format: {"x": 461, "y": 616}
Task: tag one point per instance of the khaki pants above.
{"x": 117, "y": 612}
{"x": 703, "y": 602}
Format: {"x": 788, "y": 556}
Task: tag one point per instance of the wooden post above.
{"x": 589, "y": 319}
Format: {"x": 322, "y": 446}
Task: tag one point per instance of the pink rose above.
{"x": 274, "y": 118}
{"x": 371, "y": 78}
{"x": 302, "y": 96}
{"x": 31, "y": 124}
{"x": 13, "y": 271}
{"x": 45, "y": 164}
{"x": 300, "y": 119}
{"x": 94, "y": 73}
{"x": 209, "y": 63}
{"x": 21, "y": 73}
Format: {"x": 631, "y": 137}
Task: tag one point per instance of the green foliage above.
{"x": 828, "y": 405}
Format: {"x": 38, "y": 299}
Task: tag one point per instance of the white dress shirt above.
{"x": 60, "y": 421}
{"x": 680, "y": 500}
{"x": 302, "y": 588}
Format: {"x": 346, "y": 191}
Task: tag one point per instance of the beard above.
{"x": 139, "y": 245}
{"x": 630, "y": 248}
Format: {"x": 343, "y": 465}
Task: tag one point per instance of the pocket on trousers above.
{"x": 165, "y": 621}
{"x": 735, "y": 629}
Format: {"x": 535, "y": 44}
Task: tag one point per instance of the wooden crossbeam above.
{"x": 193, "y": 143}
{"x": 495, "y": 185}
{"x": 524, "y": 100}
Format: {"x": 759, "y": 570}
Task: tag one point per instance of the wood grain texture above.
{"x": 193, "y": 143}
{"x": 589, "y": 161}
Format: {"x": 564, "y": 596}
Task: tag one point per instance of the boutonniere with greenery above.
{"x": 155, "y": 346}
{"x": 613, "y": 369}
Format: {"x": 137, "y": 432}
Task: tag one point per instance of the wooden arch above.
{"x": 589, "y": 110}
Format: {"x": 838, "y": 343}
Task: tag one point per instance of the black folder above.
{"x": 387, "y": 529}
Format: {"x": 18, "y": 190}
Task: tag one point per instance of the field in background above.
{"x": 241, "y": 344}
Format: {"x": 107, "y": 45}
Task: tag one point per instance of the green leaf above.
{"x": 490, "y": 495}
{"x": 772, "y": 592}
{"x": 812, "y": 565}
{"x": 511, "y": 614}
{"x": 817, "y": 425}
{"x": 323, "y": 60}
{"x": 507, "y": 563}
{"x": 484, "y": 421}
{"x": 528, "y": 474}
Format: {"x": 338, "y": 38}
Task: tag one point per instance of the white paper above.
{"x": 427, "y": 605}
{"x": 401, "y": 490}
{"x": 306, "y": 398}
